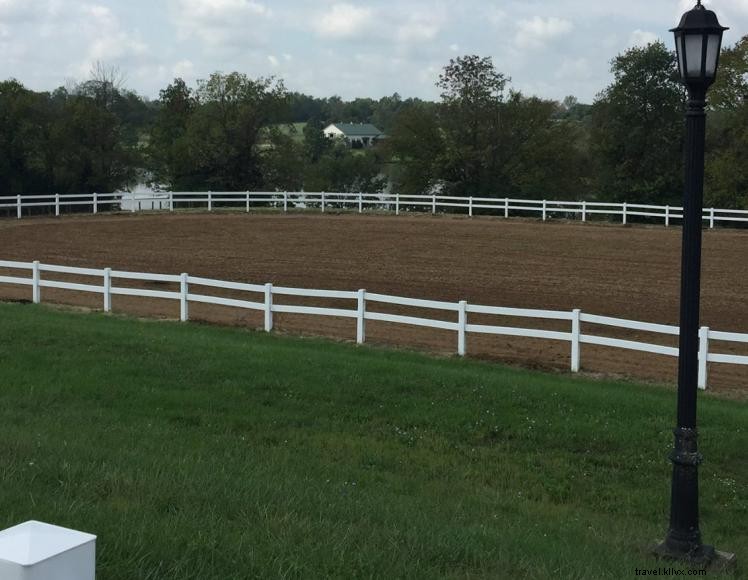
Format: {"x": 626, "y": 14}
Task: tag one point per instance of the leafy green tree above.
{"x": 91, "y": 153}
{"x": 316, "y": 143}
{"x": 386, "y": 111}
{"x": 730, "y": 90}
{"x": 19, "y": 140}
{"x": 637, "y": 128}
{"x": 168, "y": 147}
{"x": 547, "y": 158}
{"x": 225, "y": 131}
{"x": 470, "y": 119}
{"x": 416, "y": 148}
{"x": 213, "y": 138}
{"x": 283, "y": 161}
{"x": 726, "y": 178}
{"x": 60, "y": 143}
{"x": 343, "y": 170}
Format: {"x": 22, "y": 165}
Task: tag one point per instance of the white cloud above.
{"x": 183, "y": 69}
{"x": 642, "y": 38}
{"x": 344, "y": 21}
{"x": 495, "y": 15}
{"x": 575, "y": 69}
{"x": 535, "y": 32}
{"x": 416, "y": 25}
{"x": 407, "y": 42}
{"x": 219, "y": 23}
{"x": 418, "y": 31}
{"x": 107, "y": 40}
{"x": 211, "y": 11}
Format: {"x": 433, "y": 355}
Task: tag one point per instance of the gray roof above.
{"x": 358, "y": 129}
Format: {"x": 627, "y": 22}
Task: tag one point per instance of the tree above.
{"x": 105, "y": 85}
{"x": 213, "y": 138}
{"x": 726, "y": 179}
{"x": 470, "y": 120}
{"x": 91, "y": 155}
{"x": 316, "y": 143}
{"x": 283, "y": 161}
{"x": 546, "y": 157}
{"x": 730, "y": 90}
{"x": 343, "y": 170}
{"x": 23, "y": 118}
{"x": 168, "y": 149}
{"x": 60, "y": 143}
{"x": 471, "y": 81}
{"x": 416, "y": 148}
{"x": 225, "y": 131}
{"x": 637, "y": 128}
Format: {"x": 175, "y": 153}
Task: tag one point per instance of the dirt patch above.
{"x": 629, "y": 272}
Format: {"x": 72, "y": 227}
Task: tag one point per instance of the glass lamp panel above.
{"x": 679, "y": 51}
{"x": 712, "y": 54}
{"x": 694, "y": 44}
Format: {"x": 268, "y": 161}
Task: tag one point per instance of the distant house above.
{"x": 358, "y": 135}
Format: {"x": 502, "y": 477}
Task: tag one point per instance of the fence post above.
{"x": 625, "y": 216}
{"x": 247, "y": 196}
{"x": 506, "y": 207}
{"x": 285, "y": 202}
{"x": 18, "y": 206}
{"x": 461, "y": 327}
{"x": 36, "y": 293}
{"x": 711, "y": 218}
{"x": 268, "y": 307}
{"x": 584, "y": 211}
{"x": 360, "y": 203}
{"x": 210, "y": 201}
{"x": 95, "y": 203}
{"x": 470, "y": 206}
{"x": 667, "y": 216}
{"x": 323, "y": 202}
{"x": 107, "y": 289}
{"x": 397, "y": 204}
{"x": 57, "y": 204}
{"x": 184, "y": 289}
{"x": 576, "y": 333}
{"x": 361, "y": 318}
{"x": 545, "y": 209}
{"x": 171, "y": 201}
{"x": 433, "y": 204}
{"x": 703, "y": 355}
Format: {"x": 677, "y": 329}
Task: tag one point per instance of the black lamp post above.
{"x": 698, "y": 40}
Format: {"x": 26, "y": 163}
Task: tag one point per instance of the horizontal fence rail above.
{"x": 389, "y": 202}
{"x": 264, "y": 298}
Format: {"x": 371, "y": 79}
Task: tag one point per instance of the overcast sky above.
{"x": 372, "y": 48}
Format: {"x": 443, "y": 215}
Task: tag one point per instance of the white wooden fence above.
{"x": 196, "y": 289}
{"x": 394, "y": 202}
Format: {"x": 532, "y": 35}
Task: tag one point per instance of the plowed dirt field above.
{"x": 627, "y": 272}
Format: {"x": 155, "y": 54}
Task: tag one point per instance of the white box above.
{"x": 37, "y": 551}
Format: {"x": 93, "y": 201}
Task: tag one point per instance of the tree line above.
{"x": 482, "y": 138}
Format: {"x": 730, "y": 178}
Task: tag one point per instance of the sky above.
{"x": 351, "y": 48}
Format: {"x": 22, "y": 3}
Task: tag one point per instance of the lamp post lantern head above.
{"x": 698, "y": 40}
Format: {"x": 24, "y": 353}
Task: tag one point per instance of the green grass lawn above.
{"x": 210, "y": 453}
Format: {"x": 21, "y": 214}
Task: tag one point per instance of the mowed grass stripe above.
{"x": 203, "y": 452}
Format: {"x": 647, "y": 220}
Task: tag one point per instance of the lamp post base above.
{"x": 702, "y": 557}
